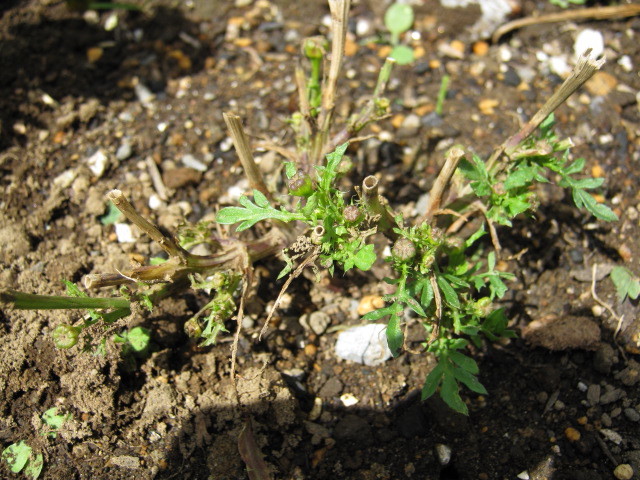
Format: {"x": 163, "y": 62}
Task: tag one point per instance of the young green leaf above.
{"x": 470, "y": 380}
{"x": 433, "y": 380}
{"x": 469, "y": 364}
{"x": 395, "y": 338}
{"x": 450, "y": 295}
{"x": 450, "y": 393}
{"x": 253, "y": 212}
{"x": 398, "y": 18}
{"x": 365, "y": 258}
{"x": 625, "y": 283}
{"x": 16, "y": 455}
{"x": 34, "y": 466}
{"x": 392, "y": 309}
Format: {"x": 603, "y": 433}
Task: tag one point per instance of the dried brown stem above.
{"x": 453, "y": 156}
{"x": 583, "y": 71}
{"x": 241, "y": 143}
{"x": 167, "y": 243}
{"x": 376, "y": 204}
{"x": 596, "y": 13}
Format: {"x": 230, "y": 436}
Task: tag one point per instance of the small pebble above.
{"x": 444, "y": 453}
{"x": 348, "y": 399}
{"x": 124, "y": 151}
{"x": 190, "y": 161}
{"x": 593, "y": 394}
{"x": 623, "y": 472}
{"x": 124, "y": 234}
{"x": 611, "y": 396}
{"x": 97, "y": 163}
{"x": 589, "y": 39}
{"x": 632, "y": 414}
{"x": 524, "y": 475}
{"x": 369, "y": 303}
{"x": 572, "y": 434}
{"x": 145, "y": 97}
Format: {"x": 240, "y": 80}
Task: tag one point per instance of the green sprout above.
{"x": 398, "y": 19}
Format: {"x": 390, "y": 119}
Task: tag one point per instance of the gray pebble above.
{"x": 124, "y": 151}
{"x": 593, "y": 394}
{"x": 606, "y": 420}
{"x": 332, "y": 388}
{"x": 409, "y": 126}
{"x": 615, "y": 413}
{"x": 632, "y": 414}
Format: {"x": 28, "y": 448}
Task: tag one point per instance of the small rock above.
{"x": 623, "y": 472}
{"x": 409, "y": 126}
{"x": 604, "y": 358}
{"x": 593, "y": 394}
{"x": 601, "y": 83}
{"x": 524, "y": 475}
{"x": 611, "y": 435}
{"x": 180, "y": 177}
{"x": 124, "y": 233}
{"x": 124, "y": 151}
{"x": 611, "y": 396}
{"x": 145, "y": 97}
{"x": 369, "y": 303}
{"x": 65, "y": 179}
{"x": 605, "y": 419}
{"x": 126, "y": 461}
{"x": 317, "y": 322}
{"x": 88, "y": 110}
{"x": 331, "y": 388}
{"x": 632, "y": 414}
{"x": 572, "y": 434}
{"x": 190, "y": 161}
{"x": 444, "y": 453}
{"x": 366, "y": 344}
{"x": 589, "y": 39}
{"x": 630, "y": 376}
{"x": 348, "y": 399}
{"x": 97, "y": 163}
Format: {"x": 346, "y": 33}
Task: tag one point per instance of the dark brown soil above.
{"x": 176, "y": 416}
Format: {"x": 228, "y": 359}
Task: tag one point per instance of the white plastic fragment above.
{"x": 124, "y": 233}
{"x": 524, "y": 475}
{"x": 366, "y": 344}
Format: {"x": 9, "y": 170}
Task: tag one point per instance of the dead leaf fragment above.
{"x": 257, "y": 468}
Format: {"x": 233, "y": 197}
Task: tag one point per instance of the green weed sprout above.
{"x": 398, "y": 19}
{"x": 20, "y": 457}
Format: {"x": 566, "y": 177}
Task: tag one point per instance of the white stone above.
{"x": 444, "y": 453}
{"x": 97, "y": 163}
{"x": 348, "y": 399}
{"x": 589, "y": 39}
{"x": 366, "y": 344}
{"x": 124, "y": 233}
{"x": 190, "y": 161}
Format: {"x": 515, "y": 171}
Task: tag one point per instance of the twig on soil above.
{"x": 596, "y": 13}
{"x": 156, "y": 179}
{"x": 241, "y": 143}
{"x": 619, "y": 318}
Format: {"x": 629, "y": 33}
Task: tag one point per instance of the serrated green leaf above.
{"x": 468, "y": 363}
{"x": 498, "y": 288}
{"x": 473, "y": 171}
{"x": 432, "y": 381}
{"x": 520, "y": 177}
{"x": 450, "y": 393}
{"x": 491, "y": 261}
{"x": 470, "y": 380}
{"x": 253, "y": 213}
{"x": 398, "y": 18}
{"x": 328, "y": 173}
{"x": 584, "y": 199}
{"x": 626, "y": 284}
{"x": 475, "y": 236}
{"x": 427, "y": 294}
{"x": 260, "y": 199}
{"x": 16, "y": 455}
{"x": 413, "y": 305}
{"x": 450, "y": 295}
{"x": 575, "y": 167}
{"x": 381, "y": 312}
{"x": 395, "y": 337}
{"x": 365, "y": 258}
{"x": 588, "y": 183}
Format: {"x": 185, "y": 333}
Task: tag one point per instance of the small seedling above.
{"x": 398, "y": 19}
{"x": 627, "y": 285}
{"x": 20, "y": 457}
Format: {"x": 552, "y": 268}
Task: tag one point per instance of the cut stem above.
{"x": 241, "y": 143}
{"x": 28, "y": 301}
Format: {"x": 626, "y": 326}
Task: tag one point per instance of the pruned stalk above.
{"x": 241, "y": 143}
{"x": 167, "y": 243}
{"x": 453, "y": 156}
{"x": 375, "y": 204}
{"x": 583, "y": 71}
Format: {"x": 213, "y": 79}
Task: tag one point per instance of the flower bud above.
{"x": 65, "y": 336}
{"x": 404, "y": 249}
{"x": 351, "y": 213}
{"x": 314, "y": 47}
{"x": 300, "y": 186}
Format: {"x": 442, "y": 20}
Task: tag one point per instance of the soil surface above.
{"x": 91, "y": 102}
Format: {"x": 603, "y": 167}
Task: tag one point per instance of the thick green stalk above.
{"x": 28, "y": 301}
